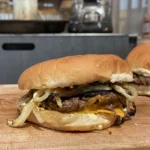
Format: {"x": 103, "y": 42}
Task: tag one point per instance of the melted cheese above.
{"x": 100, "y": 107}
{"x": 119, "y": 112}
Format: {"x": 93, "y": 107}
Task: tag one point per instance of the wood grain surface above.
{"x": 133, "y": 134}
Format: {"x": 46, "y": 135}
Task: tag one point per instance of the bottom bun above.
{"x": 73, "y": 121}
{"x": 142, "y": 89}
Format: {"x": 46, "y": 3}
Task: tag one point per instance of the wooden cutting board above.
{"x": 133, "y": 134}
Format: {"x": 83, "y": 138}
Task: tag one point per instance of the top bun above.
{"x": 139, "y": 57}
{"x": 75, "y": 70}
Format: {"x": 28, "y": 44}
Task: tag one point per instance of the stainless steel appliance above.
{"x": 146, "y": 27}
{"x": 90, "y": 16}
{"x": 18, "y": 52}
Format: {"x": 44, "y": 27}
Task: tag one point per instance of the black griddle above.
{"x": 19, "y": 26}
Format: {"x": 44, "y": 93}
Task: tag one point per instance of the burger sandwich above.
{"x": 77, "y": 93}
{"x": 139, "y": 61}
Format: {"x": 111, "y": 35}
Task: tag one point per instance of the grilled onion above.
{"x": 37, "y": 95}
{"x": 37, "y": 115}
{"x": 58, "y": 101}
{"x": 123, "y": 91}
{"x": 28, "y": 109}
{"x": 23, "y": 116}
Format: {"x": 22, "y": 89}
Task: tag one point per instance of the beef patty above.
{"x": 141, "y": 80}
{"x": 79, "y": 102}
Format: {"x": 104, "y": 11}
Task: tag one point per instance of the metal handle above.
{"x": 18, "y": 46}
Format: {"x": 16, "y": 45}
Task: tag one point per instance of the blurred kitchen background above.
{"x": 36, "y": 30}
